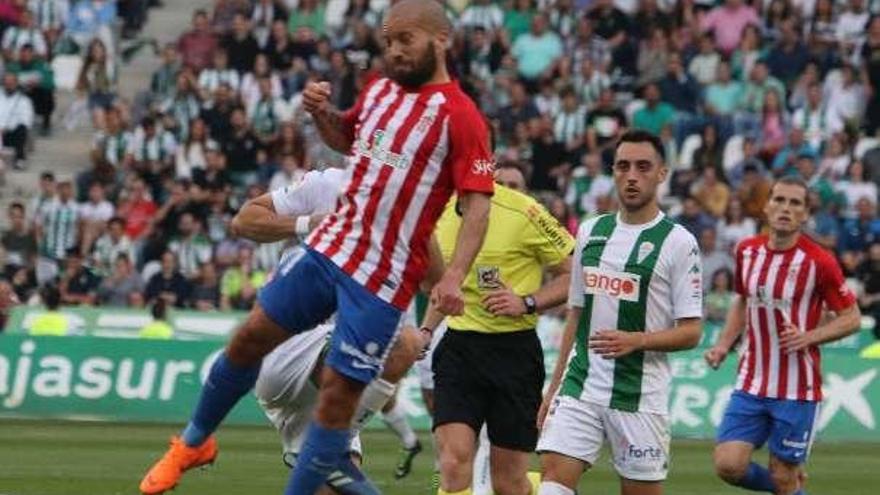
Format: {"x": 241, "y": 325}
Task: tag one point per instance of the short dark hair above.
{"x": 16, "y": 205}
{"x": 793, "y": 180}
{"x": 47, "y": 176}
{"x": 159, "y": 309}
{"x": 51, "y": 297}
{"x": 640, "y": 136}
{"x": 118, "y": 220}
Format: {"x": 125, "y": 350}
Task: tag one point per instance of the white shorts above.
{"x": 639, "y": 441}
{"x": 286, "y": 392}
{"x": 423, "y": 366}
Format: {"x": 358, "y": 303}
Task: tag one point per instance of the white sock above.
{"x": 374, "y": 398}
{"x": 482, "y": 471}
{"x": 396, "y": 420}
{"x": 553, "y": 488}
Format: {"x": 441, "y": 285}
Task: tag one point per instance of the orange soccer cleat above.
{"x": 179, "y": 458}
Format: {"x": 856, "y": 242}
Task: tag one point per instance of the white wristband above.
{"x": 302, "y": 225}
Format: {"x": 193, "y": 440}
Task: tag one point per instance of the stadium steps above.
{"x": 66, "y": 153}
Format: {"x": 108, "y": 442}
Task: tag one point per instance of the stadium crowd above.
{"x": 740, "y": 92}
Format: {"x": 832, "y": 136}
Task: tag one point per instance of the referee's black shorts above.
{"x": 495, "y": 379}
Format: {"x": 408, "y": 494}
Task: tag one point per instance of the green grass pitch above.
{"x": 64, "y": 458}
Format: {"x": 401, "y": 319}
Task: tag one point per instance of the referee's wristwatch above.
{"x": 531, "y": 305}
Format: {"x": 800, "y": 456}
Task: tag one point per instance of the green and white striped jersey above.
{"x": 635, "y": 278}
{"x": 60, "y": 224}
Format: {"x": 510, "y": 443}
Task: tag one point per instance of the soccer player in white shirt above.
{"x": 636, "y": 294}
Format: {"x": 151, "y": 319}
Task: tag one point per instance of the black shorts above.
{"x": 494, "y": 379}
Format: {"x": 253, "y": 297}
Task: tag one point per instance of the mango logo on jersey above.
{"x": 619, "y": 285}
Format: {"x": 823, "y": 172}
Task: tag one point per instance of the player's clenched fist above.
{"x": 316, "y": 96}
{"x": 447, "y": 296}
{"x": 715, "y": 356}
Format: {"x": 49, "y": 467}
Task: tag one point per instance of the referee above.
{"x": 489, "y": 366}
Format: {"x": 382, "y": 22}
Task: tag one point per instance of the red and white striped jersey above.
{"x": 411, "y": 150}
{"x": 794, "y": 285}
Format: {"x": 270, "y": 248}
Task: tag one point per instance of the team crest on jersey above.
{"x": 618, "y": 285}
{"x": 645, "y": 250}
{"x": 379, "y": 149}
{"x": 488, "y": 277}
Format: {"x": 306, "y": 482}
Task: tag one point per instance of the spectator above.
{"x": 138, "y": 210}
{"x": 16, "y": 117}
{"x": 110, "y": 152}
{"x": 789, "y": 56}
{"x": 197, "y": 46}
{"x": 239, "y": 285}
{"x": 759, "y": 84}
{"x": 182, "y": 107}
{"x": 735, "y": 226}
{"x": 653, "y": 58}
{"x": 26, "y": 33}
{"x": 747, "y": 54}
{"x": 78, "y": 285}
{"x": 91, "y": 20}
{"x": 693, "y": 218}
{"x": 806, "y": 168}
{"x": 727, "y": 22}
{"x": 250, "y": 84}
{"x": 569, "y": 125}
{"x": 823, "y": 224}
{"x": 537, "y": 52}
{"x": 266, "y": 114}
{"x": 775, "y": 123}
{"x": 158, "y": 329}
{"x": 605, "y": 124}
{"x": 218, "y": 114}
{"x": 206, "y": 291}
{"x": 263, "y": 15}
{"x": 711, "y": 193}
{"x": 856, "y": 185}
{"x": 164, "y": 79}
{"x": 309, "y": 14}
{"x": 812, "y": 119}
{"x": 219, "y": 73}
{"x": 240, "y": 148}
{"x": 798, "y": 94}
{"x": 786, "y": 158}
{"x": 858, "y": 233}
{"x": 51, "y": 322}
{"x": 190, "y": 246}
{"x": 549, "y": 159}
{"x": 168, "y": 284}
{"x": 38, "y": 83}
{"x": 483, "y": 14}
{"x": 214, "y": 176}
{"x": 590, "y": 81}
{"x": 93, "y": 216}
{"x": 190, "y": 155}
{"x": 8, "y": 300}
{"x": 18, "y": 240}
{"x": 704, "y": 66}
{"x": 97, "y": 81}
{"x": 240, "y": 45}
{"x": 719, "y": 296}
{"x": 713, "y": 259}
{"x": 870, "y": 55}
{"x": 753, "y": 191}
{"x": 57, "y": 231}
{"x": 869, "y": 276}
{"x": 649, "y": 17}
{"x": 123, "y": 287}
{"x": 279, "y": 48}
{"x": 656, "y": 114}
{"x": 112, "y": 245}
{"x": 224, "y": 13}
{"x": 710, "y": 154}
{"x": 851, "y": 24}
{"x": 46, "y": 195}
{"x": 521, "y": 109}
{"x": 50, "y": 16}
{"x": 152, "y": 150}
{"x": 846, "y": 101}
{"x": 588, "y": 183}
{"x": 291, "y": 172}
{"x": 678, "y": 88}
{"x": 587, "y": 46}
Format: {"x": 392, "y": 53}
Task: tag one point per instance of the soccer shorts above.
{"x": 494, "y": 379}
{"x": 308, "y": 288}
{"x": 287, "y": 391}
{"x": 787, "y": 426}
{"x": 423, "y": 366}
{"x": 639, "y": 441}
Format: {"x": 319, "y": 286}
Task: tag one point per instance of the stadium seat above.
{"x": 688, "y": 148}
{"x": 733, "y": 152}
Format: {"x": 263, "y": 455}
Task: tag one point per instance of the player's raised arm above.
{"x": 336, "y": 127}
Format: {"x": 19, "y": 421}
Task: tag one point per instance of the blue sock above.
{"x": 226, "y": 384}
{"x": 325, "y": 459}
{"x": 757, "y": 479}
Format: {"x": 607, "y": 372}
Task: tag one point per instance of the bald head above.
{"x": 426, "y": 14}
{"x": 416, "y": 34}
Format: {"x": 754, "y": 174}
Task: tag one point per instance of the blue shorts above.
{"x": 308, "y": 289}
{"x": 787, "y": 424}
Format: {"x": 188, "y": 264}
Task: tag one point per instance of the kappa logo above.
{"x": 619, "y": 285}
